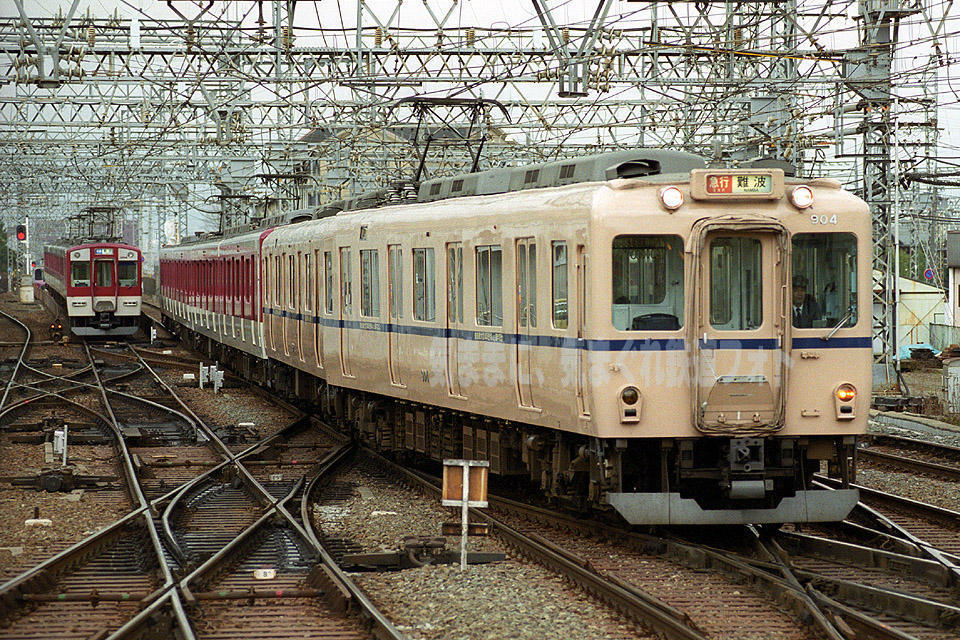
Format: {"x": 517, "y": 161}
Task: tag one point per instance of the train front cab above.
{"x": 761, "y": 373}
{"x": 104, "y": 290}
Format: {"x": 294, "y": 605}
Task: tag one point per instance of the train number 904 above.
{"x": 823, "y": 219}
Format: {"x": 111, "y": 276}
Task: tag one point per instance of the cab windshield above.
{"x": 79, "y": 274}
{"x": 824, "y": 285}
{"x": 127, "y": 273}
{"x": 647, "y": 283}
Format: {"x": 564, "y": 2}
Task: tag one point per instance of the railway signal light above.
{"x": 22, "y": 232}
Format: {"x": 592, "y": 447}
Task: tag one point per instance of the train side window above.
{"x": 424, "y": 285}
{"x": 395, "y": 280}
{"x": 103, "y": 272}
{"x": 736, "y": 284}
{"x": 824, "y": 286}
{"x": 647, "y": 283}
{"x": 79, "y": 274}
{"x": 127, "y": 273}
{"x": 369, "y": 283}
{"x": 559, "y": 284}
{"x": 489, "y": 286}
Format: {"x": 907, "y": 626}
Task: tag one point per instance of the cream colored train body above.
{"x": 680, "y": 362}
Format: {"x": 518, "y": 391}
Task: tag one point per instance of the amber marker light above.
{"x": 671, "y": 198}
{"x": 801, "y": 197}
{"x": 846, "y": 392}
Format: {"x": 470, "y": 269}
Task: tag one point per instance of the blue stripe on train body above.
{"x": 565, "y": 342}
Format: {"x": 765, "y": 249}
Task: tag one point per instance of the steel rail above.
{"x": 23, "y": 352}
{"x": 924, "y": 510}
{"x": 776, "y": 554}
{"x": 103, "y": 536}
{"x": 701, "y": 556}
{"x": 133, "y": 484}
{"x": 231, "y": 547}
{"x": 56, "y": 393}
{"x": 912, "y": 443}
{"x": 911, "y": 464}
{"x": 380, "y": 625}
{"x": 626, "y": 598}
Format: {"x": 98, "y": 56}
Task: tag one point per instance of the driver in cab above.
{"x": 805, "y": 308}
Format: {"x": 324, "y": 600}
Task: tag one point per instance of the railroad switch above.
{"x": 416, "y": 551}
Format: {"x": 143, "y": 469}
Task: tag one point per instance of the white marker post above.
{"x": 468, "y": 478}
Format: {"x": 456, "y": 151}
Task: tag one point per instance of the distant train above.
{"x": 94, "y": 288}
{"x": 630, "y": 330}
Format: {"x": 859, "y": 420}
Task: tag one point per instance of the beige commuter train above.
{"x": 629, "y": 330}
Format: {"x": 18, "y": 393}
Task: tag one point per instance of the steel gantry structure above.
{"x": 220, "y": 104}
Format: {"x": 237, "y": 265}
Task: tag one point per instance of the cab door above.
{"x": 526, "y": 317}
{"x": 105, "y": 282}
{"x": 739, "y": 346}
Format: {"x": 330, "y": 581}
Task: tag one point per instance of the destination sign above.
{"x": 103, "y": 251}
{"x": 739, "y": 184}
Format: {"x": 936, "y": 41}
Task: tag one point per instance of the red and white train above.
{"x": 94, "y": 287}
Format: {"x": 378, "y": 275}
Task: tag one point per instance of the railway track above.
{"x": 123, "y": 564}
{"x": 913, "y": 456}
{"x": 188, "y": 503}
{"x": 685, "y": 587}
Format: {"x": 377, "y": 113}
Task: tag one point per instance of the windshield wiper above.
{"x": 840, "y": 324}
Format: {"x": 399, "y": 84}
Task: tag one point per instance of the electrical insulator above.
{"x": 91, "y": 35}
{"x": 286, "y": 37}
{"x": 378, "y": 37}
{"x": 471, "y": 36}
{"x": 189, "y": 38}
{"x": 566, "y": 35}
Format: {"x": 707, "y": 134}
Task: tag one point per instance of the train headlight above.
{"x": 843, "y": 402}
{"x": 630, "y": 405}
{"x": 671, "y": 198}
{"x": 801, "y": 197}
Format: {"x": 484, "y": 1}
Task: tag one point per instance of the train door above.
{"x": 395, "y": 302}
{"x": 454, "y": 316}
{"x": 583, "y": 378}
{"x": 526, "y": 317}
{"x": 276, "y": 318}
{"x": 346, "y": 309}
{"x": 316, "y": 281}
{"x": 104, "y": 282}
{"x": 304, "y": 314}
{"x": 740, "y": 318}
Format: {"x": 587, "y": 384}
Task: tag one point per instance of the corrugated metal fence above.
{"x": 944, "y": 335}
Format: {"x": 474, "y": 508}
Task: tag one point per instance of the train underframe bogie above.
{"x": 698, "y": 480}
